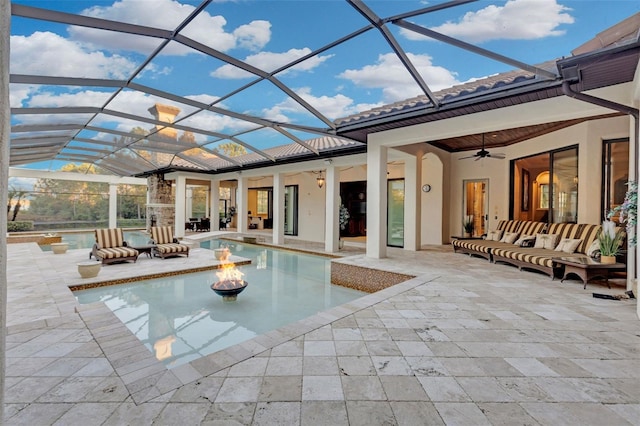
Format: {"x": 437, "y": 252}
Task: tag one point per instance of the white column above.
{"x": 113, "y": 205}
{"x": 189, "y": 203}
{"x": 241, "y": 207}
{"x": 214, "y": 203}
{"x": 332, "y": 204}
{"x": 376, "y": 201}
{"x": 412, "y": 179}
{"x": 5, "y": 130}
{"x": 180, "y": 218}
{"x": 278, "y": 209}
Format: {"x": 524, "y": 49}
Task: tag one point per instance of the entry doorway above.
{"x": 475, "y": 205}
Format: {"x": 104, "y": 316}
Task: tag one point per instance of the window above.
{"x": 262, "y": 206}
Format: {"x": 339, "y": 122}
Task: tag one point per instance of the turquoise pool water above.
{"x": 180, "y": 318}
{"x": 78, "y": 240}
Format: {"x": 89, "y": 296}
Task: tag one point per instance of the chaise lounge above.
{"x": 110, "y": 247}
{"x": 166, "y": 245}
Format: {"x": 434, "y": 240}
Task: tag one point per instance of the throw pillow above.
{"x": 568, "y": 245}
{"x": 523, "y": 239}
{"x": 546, "y": 241}
{"x": 509, "y": 237}
{"x": 594, "y": 249}
{"x": 494, "y": 235}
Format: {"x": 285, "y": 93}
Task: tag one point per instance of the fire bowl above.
{"x": 229, "y": 290}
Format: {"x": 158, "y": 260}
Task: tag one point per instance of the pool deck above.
{"x": 466, "y": 342}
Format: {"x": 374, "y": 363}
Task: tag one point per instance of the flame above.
{"x": 228, "y": 274}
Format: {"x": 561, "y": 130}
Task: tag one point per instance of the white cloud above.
{"x": 516, "y": 20}
{"x": 332, "y": 107}
{"x": 269, "y": 61}
{"x": 168, "y": 14}
{"x": 396, "y": 83}
{"x": 46, "y": 53}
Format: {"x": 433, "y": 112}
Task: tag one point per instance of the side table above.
{"x": 587, "y": 268}
{"x": 144, "y": 249}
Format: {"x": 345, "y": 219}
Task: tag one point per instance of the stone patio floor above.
{"x": 466, "y": 342}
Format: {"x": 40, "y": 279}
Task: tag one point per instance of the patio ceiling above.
{"x": 106, "y": 126}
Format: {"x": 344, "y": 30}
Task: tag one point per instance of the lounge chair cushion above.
{"x": 117, "y": 253}
{"x": 172, "y": 248}
{"x": 110, "y": 238}
{"x": 162, "y": 234}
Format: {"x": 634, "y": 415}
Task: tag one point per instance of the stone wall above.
{"x": 161, "y": 205}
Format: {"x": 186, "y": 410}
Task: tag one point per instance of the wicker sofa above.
{"x": 525, "y": 255}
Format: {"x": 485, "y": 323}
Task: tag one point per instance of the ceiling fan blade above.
{"x": 470, "y": 156}
{"x": 478, "y": 157}
{"x": 498, "y": 156}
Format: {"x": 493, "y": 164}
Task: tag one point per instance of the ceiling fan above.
{"x": 483, "y": 153}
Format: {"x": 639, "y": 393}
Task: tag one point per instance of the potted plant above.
{"x": 610, "y": 242}
{"x": 467, "y": 225}
{"x": 343, "y": 219}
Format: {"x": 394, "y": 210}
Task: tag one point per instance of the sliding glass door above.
{"x": 395, "y": 213}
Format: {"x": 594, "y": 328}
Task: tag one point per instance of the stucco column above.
{"x": 278, "y": 209}
{"x": 412, "y": 211}
{"x": 181, "y": 196}
{"x": 214, "y": 204}
{"x": 5, "y": 129}
{"x": 332, "y": 203}
{"x": 376, "y": 201}
{"x": 188, "y": 205}
{"x": 113, "y": 205}
{"x": 241, "y": 208}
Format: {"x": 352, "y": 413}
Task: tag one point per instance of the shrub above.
{"x": 26, "y": 225}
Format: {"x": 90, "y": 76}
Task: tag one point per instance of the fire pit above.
{"x": 229, "y": 290}
{"x": 230, "y": 282}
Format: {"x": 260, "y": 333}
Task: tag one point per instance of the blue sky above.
{"x": 356, "y": 76}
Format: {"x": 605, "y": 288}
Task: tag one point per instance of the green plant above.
{"x": 610, "y": 240}
{"x": 467, "y": 224}
{"x": 628, "y": 211}
{"x": 26, "y": 225}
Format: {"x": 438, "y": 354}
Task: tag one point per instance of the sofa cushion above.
{"x": 588, "y": 235}
{"x": 568, "y": 245}
{"x": 509, "y": 237}
{"x": 594, "y": 249}
{"x": 565, "y": 230}
{"x": 508, "y": 225}
{"x": 546, "y": 241}
{"x": 524, "y": 238}
{"x": 531, "y": 228}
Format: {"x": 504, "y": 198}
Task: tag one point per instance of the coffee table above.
{"x": 587, "y": 268}
{"x": 144, "y": 249}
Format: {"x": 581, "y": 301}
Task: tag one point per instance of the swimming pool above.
{"x": 79, "y": 240}
{"x": 180, "y": 319}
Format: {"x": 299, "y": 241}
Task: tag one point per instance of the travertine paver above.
{"x": 466, "y": 342}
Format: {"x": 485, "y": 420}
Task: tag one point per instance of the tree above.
{"x": 17, "y": 195}
{"x": 232, "y": 149}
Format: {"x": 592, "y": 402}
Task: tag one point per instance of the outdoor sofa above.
{"x": 165, "y": 244}
{"x": 537, "y": 245}
{"x": 110, "y": 247}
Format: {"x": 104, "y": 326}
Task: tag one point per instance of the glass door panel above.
{"x": 291, "y": 210}
{"x": 564, "y": 189}
{"x": 475, "y": 205}
{"x": 395, "y": 213}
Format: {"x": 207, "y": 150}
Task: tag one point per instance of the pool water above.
{"x": 79, "y": 240}
{"x": 181, "y": 319}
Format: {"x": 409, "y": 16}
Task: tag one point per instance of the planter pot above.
{"x": 221, "y": 253}
{"x": 89, "y": 269}
{"x": 467, "y": 234}
{"x": 607, "y": 260}
{"x": 59, "y": 248}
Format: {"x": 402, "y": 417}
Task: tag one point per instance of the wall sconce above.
{"x": 320, "y": 180}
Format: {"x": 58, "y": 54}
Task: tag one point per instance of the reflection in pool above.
{"x": 181, "y": 319}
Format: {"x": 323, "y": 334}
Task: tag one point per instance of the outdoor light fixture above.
{"x": 320, "y": 180}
